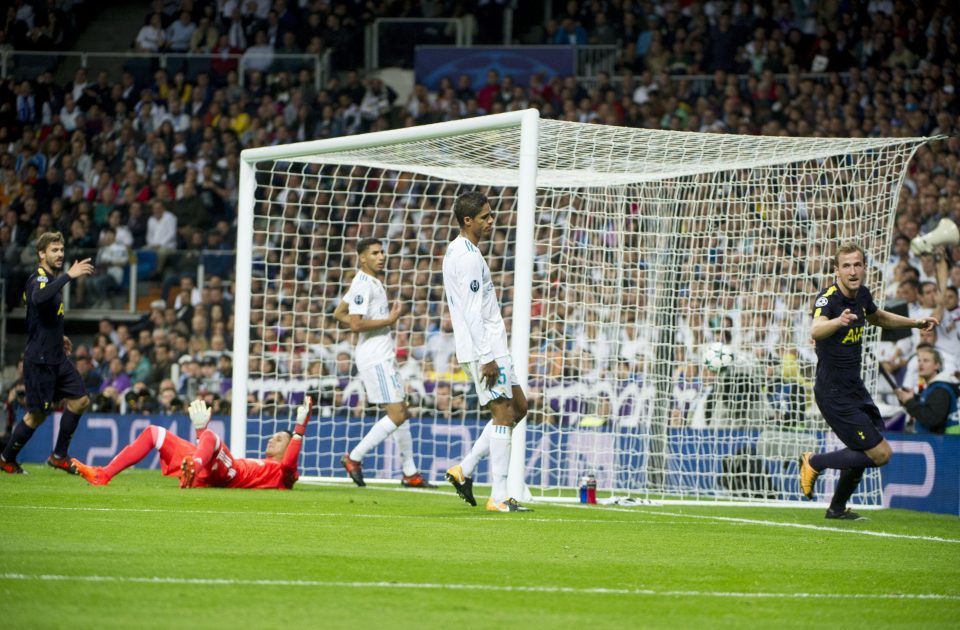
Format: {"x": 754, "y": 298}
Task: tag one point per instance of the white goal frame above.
{"x": 527, "y": 120}
{"x": 528, "y": 179}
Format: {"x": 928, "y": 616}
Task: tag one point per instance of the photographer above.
{"x": 934, "y": 408}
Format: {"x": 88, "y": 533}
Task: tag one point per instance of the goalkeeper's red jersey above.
{"x": 227, "y": 472}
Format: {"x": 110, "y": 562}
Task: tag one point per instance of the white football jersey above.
{"x": 368, "y": 299}
{"x": 474, "y": 309}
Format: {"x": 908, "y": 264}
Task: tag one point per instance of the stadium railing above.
{"x": 594, "y": 59}
{"x": 28, "y": 64}
{"x": 701, "y": 82}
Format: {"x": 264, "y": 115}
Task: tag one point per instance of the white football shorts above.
{"x": 505, "y": 381}
{"x": 383, "y": 384}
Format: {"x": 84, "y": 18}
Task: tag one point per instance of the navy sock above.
{"x": 21, "y": 435}
{"x": 846, "y": 486}
{"x": 68, "y": 424}
{"x": 841, "y": 460}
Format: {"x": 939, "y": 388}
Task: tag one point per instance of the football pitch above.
{"x": 141, "y": 553}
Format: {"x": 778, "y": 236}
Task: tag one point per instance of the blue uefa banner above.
{"x": 924, "y": 473}
{"x": 433, "y": 63}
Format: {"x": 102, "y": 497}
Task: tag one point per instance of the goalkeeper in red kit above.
{"x": 209, "y": 463}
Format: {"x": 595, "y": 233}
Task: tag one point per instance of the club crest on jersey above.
{"x": 358, "y": 299}
{"x": 821, "y": 301}
{"x": 474, "y": 285}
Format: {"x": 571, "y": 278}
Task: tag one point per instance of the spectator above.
{"x": 259, "y": 57}
{"x": 179, "y": 34}
{"x": 151, "y": 37}
{"x": 205, "y": 37}
{"x": 161, "y": 232}
{"x": 112, "y": 258}
{"x": 377, "y": 100}
{"x": 934, "y": 410}
{"x": 160, "y": 367}
{"x": 116, "y": 379}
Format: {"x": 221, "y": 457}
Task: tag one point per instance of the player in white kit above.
{"x": 482, "y": 351}
{"x": 364, "y": 310}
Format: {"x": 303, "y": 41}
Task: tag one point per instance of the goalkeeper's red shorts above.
{"x": 172, "y": 452}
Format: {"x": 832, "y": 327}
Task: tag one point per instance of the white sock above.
{"x": 404, "y": 440}
{"x": 500, "y": 462}
{"x": 481, "y": 448}
{"x": 380, "y": 431}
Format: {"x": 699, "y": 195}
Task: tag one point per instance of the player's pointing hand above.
{"x": 928, "y": 323}
{"x": 846, "y": 317}
{"x": 80, "y": 268}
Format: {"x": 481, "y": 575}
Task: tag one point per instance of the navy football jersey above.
{"x": 840, "y": 354}
{"x": 45, "y": 318}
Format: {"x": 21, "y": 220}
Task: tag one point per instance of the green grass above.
{"x": 380, "y": 558}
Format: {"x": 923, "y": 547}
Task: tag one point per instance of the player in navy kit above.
{"x": 48, "y": 374}
{"x": 839, "y": 315}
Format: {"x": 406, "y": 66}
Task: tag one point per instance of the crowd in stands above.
{"x": 43, "y": 25}
{"x": 148, "y": 162}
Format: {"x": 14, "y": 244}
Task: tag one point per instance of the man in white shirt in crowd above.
{"x": 482, "y": 351}
{"x": 364, "y": 310}
{"x": 151, "y": 36}
{"x": 112, "y": 257}
{"x": 161, "y": 232}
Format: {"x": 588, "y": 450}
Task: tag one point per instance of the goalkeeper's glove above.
{"x": 303, "y": 416}
{"x": 199, "y": 414}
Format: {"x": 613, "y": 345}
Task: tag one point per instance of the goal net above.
{"x": 657, "y": 287}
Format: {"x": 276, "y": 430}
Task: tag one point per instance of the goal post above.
{"x": 622, "y": 257}
{"x": 526, "y": 120}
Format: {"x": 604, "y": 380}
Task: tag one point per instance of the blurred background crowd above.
{"x": 138, "y": 167}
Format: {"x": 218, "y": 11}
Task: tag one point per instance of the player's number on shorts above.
{"x": 502, "y": 379}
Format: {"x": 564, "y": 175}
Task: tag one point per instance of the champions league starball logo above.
{"x": 358, "y": 299}
{"x": 474, "y": 285}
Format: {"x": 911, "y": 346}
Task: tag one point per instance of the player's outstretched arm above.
{"x": 199, "y": 414}
{"x": 43, "y": 292}
{"x": 823, "y": 327}
{"x": 80, "y": 268}
{"x": 886, "y": 319}
{"x": 303, "y": 416}
{"x": 292, "y": 454}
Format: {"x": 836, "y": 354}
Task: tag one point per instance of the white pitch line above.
{"x": 751, "y": 521}
{"x": 392, "y": 517}
{"x": 564, "y": 590}
{"x": 531, "y": 519}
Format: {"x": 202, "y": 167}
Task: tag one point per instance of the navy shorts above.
{"x": 851, "y": 413}
{"x": 47, "y": 384}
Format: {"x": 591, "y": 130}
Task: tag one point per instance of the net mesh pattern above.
{"x": 673, "y": 282}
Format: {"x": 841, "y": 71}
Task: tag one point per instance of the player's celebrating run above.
{"x": 48, "y": 374}
{"x": 210, "y": 464}
{"x": 365, "y": 311}
{"x": 839, "y": 314}
{"x": 481, "y": 340}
